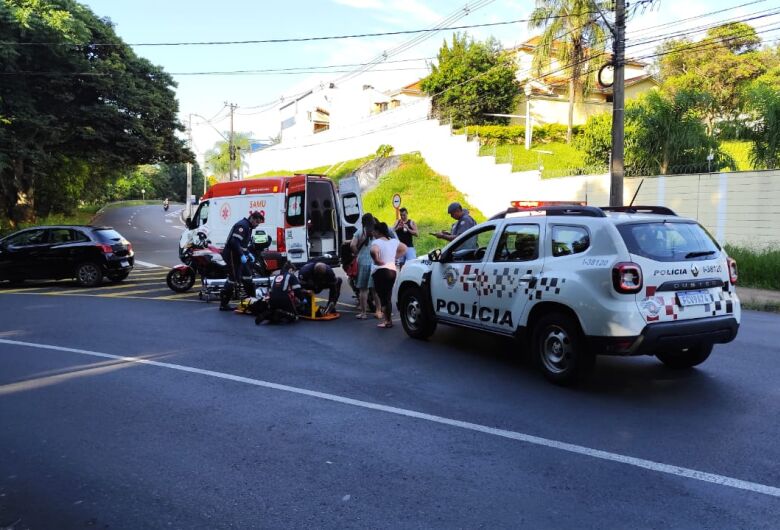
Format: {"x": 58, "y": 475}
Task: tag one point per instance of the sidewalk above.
{"x": 759, "y": 297}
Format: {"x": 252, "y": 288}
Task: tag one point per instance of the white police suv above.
{"x": 576, "y": 281}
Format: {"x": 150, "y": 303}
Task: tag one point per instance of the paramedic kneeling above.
{"x": 237, "y": 255}
{"x": 316, "y": 276}
{"x": 286, "y": 297}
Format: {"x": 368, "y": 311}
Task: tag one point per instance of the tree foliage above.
{"x": 74, "y": 115}
{"x": 575, "y": 38}
{"x": 218, "y": 158}
{"x": 763, "y": 103}
{"x": 664, "y": 134}
{"x": 472, "y": 79}
{"x": 724, "y": 63}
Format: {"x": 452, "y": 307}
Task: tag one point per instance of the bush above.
{"x": 384, "y": 151}
{"x": 515, "y": 134}
{"x": 757, "y": 268}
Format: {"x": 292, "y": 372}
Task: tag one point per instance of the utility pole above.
{"x": 617, "y": 168}
{"x": 231, "y": 144}
{"x": 188, "y": 208}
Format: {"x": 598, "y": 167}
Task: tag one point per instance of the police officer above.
{"x": 237, "y": 255}
{"x": 316, "y": 276}
{"x": 463, "y": 221}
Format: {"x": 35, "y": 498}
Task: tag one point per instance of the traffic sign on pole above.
{"x": 397, "y": 205}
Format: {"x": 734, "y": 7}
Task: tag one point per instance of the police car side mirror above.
{"x": 435, "y": 255}
{"x": 188, "y": 223}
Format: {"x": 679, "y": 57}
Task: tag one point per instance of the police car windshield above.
{"x": 665, "y": 241}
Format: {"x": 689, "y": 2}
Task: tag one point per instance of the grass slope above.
{"x": 425, "y": 193}
{"x": 558, "y": 159}
{"x": 334, "y": 171}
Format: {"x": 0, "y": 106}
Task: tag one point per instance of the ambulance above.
{"x": 307, "y": 216}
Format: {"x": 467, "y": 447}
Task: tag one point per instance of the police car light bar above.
{"x": 523, "y": 205}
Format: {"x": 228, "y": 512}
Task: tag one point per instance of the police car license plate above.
{"x": 687, "y": 298}
{"x": 124, "y": 263}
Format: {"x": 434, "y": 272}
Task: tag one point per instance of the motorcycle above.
{"x": 204, "y": 260}
{"x": 165, "y": 205}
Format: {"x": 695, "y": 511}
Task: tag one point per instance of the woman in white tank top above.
{"x": 384, "y": 252}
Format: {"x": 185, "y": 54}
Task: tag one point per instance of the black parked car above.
{"x": 86, "y": 253}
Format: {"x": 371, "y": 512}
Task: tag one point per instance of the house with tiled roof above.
{"x": 548, "y": 94}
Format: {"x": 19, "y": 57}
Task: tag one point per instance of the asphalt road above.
{"x": 149, "y": 412}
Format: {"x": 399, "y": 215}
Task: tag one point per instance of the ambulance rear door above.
{"x": 295, "y": 241}
{"x": 350, "y": 207}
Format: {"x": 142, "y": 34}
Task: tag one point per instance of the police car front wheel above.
{"x": 415, "y": 315}
{"x": 560, "y": 350}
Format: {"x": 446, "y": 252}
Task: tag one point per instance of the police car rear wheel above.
{"x": 560, "y": 349}
{"x": 685, "y": 358}
{"x": 415, "y": 317}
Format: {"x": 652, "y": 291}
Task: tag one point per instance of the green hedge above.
{"x": 515, "y": 134}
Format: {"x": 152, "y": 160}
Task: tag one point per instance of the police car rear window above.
{"x": 665, "y": 241}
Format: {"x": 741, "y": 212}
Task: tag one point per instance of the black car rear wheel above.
{"x": 180, "y": 280}
{"x": 89, "y": 274}
{"x": 117, "y": 277}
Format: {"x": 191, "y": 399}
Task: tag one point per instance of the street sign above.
{"x": 396, "y": 201}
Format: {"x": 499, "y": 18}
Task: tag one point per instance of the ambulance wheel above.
{"x": 180, "y": 280}
{"x": 685, "y": 357}
{"x": 560, "y": 349}
{"x": 416, "y": 317}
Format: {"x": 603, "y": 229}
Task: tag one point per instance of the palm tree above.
{"x": 575, "y": 35}
{"x": 218, "y": 158}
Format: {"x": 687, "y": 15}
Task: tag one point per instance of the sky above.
{"x": 202, "y": 97}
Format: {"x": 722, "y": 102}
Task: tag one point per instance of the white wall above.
{"x": 738, "y": 208}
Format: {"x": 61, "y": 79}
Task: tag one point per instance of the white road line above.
{"x": 162, "y": 235}
{"x": 147, "y": 232}
{"x": 650, "y": 465}
{"x": 149, "y": 265}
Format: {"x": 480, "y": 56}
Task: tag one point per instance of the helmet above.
{"x": 201, "y": 237}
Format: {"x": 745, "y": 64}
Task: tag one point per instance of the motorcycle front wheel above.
{"x": 180, "y": 280}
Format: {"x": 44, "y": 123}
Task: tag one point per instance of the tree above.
{"x": 574, "y": 36}
{"x": 763, "y": 103}
{"x": 74, "y": 114}
{"x": 665, "y": 134}
{"x": 472, "y": 79}
{"x": 723, "y": 63}
{"x": 218, "y": 158}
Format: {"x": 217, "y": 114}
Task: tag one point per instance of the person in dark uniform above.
{"x": 463, "y": 222}
{"x": 237, "y": 255}
{"x": 317, "y": 276}
{"x": 286, "y": 299}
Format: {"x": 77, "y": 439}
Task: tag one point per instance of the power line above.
{"x": 291, "y": 39}
{"x": 295, "y": 68}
